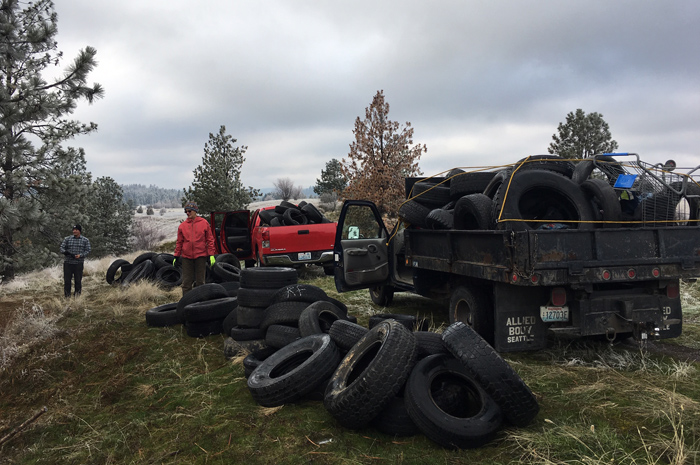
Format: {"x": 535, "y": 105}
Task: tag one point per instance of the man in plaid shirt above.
{"x": 75, "y": 248}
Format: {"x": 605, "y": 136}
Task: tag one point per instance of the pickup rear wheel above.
{"x": 382, "y": 295}
{"x": 472, "y": 307}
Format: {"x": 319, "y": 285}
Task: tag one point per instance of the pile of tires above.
{"x": 275, "y": 310}
{"x": 159, "y": 268}
{"x": 538, "y": 192}
{"x": 290, "y": 214}
{"x": 452, "y": 387}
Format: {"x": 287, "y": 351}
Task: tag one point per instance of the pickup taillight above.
{"x": 265, "y": 234}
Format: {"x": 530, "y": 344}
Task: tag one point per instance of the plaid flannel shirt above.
{"x": 75, "y": 246}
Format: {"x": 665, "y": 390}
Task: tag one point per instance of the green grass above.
{"x": 120, "y": 392}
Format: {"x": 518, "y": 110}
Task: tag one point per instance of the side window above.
{"x": 360, "y": 223}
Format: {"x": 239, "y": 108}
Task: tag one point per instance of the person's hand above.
{"x": 176, "y": 261}
{"x": 211, "y": 260}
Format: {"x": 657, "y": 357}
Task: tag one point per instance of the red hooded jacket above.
{"x": 194, "y": 239}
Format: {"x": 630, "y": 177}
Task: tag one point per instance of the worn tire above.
{"x": 440, "y": 219}
{"x": 605, "y": 202}
{"x": 430, "y": 194}
{"x": 429, "y": 343}
{"x": 283, "y": 313}
{"x": 254, "y": 359}
{"x": 382, "y": 295}
{"x": 251, "y": 297}
{"x": 278, "y": 336}
{"x": 472, "y": 212}
{"x": 554, "y": 163}
{"x": 471, "y": 422}
{"x": 207, "y": 310}
{"x": 298, "y": 293}
{"x": 230, "y": 322}
{"x": 168, "y": 276}
{"x": 346, "y": 334}
{"x": 294, "y": 217}
{"x": 410, "y": 322}
{"x": 118, "y": 265}
{"x": 414, "y": 213}
{"x": 293, "y": 371}
{"x": 201, "y": 293}
{"x": 241, "y": 333}
{"x": 371, "y": 374}
{"x": 312, "y": 213}
{"x": 250, "y": 317}
{"x": 162, "y": 315}
{"x": 493, "y": 373}
{"x": 470, "y": 183}
{"x": 472, "y": 306}
{"x": 318, "y": 318}
{"x": 143, "y": 257}
{"x": 229, "y": 258}
{"x": 268, "y": 277}
{"x": 143, "y": 270}
{"x": 226, "y": 272}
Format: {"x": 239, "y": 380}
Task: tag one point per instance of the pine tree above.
{"x": 380, "y": 157}
{"x": 108, "y": 224}
{"x": 332, "y": 179}
{"x": 583, "y": 135}
{"x": 34, "y": 120}
{"x": 217, "y": 182}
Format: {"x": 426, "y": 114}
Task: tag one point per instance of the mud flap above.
{"x": 517, "y": 319}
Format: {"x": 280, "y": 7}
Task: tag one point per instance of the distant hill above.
{"x": 158, "y": 197}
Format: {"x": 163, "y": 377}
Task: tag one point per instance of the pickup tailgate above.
{"x": 298, "y": 244}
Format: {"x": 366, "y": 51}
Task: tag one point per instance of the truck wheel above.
{"x": 382, "y": 295}
{"x": 493, "y": 373}
{"x": 471, "y": 306}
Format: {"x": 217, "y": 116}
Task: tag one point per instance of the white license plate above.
{"x": 554, "y": 314}
{"x": 304, "y": 256}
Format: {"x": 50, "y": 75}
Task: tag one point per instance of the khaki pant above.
{"x": 193, "y": 271}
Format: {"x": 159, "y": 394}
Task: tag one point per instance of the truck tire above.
{"x": 382, "y": 295}
{"x": 293, "y": 217}
{"x": 254, "y": 359}
{"x": 604, "y": 200}
{"x": 123, "y": 266}
{"x": 268, "y": 277}
{"x": 283, "y": 313}
{"x": 543, "y": 196}
{"x": 293, "y": 371}
{"x": 162, "y": 315}
{"x": 554, "y": 163}
{"x": 206, "y": 291}
{"x": 318, "y": 318}
{"x": 610, "y": 167}
{"x": 414, "y": 213}
{"x": 143, "y": 270}
{"x": 471, "y": 422}
{"x": 278, "y": 336}
{"x": 472, "y": 307}
{"x": 429, "y": 343}
{"x": 298, "y": 293}
{"x": 440, "y": 219}
{"x": 488, "y": 368}
{"x": 168, "y": 276}
{"x": 470, "y": 183}
{"x": 346, "y": 334}
{"x": 473, "y": 212}
{"x": 430, "y": 194}
{"x": 693, "y": 214}
{"x": 207, "y": 310}
{"x": 251, "y": 297}
{"x": 371, "y": 374}
{"x": 229, "y": 258}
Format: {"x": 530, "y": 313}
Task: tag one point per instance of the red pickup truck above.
{"x": 271, "y": 236}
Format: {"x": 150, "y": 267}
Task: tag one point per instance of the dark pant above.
{"x": 193, "y": 270}
{"x": 70, "y": 271}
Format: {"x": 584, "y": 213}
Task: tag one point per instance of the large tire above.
{"x": 201, "y": 293}
{"x": 251, "y": 297}
{"x": 163, "y": 259}
{"x": 143, "y": 270}
{"x": 541, "y": 196}
{"x": 605, "y": 202}
{"x": 268, "y": 277}
{"x": 293, "y": 371}
{"x": 429, "y": 343}
{"x": 312, "y": 213}
{"x": 250, "y": 317}
{"x": 610, "y": 167}
{"x": 254, "y": 359}
{"x": 346, "y": 334}
{"x": 470, "y": 183}
{"x": 207, "y": 310}
{"x": 371, "y": 374}
{"x": 430, "y": 194}
{"x": 162, "y": 315}
{"x": 298, "y": 293}
{"x": 168, "y": 276}
{"x": 693, "y": 213}
{"x": 553, "y": 163}
{"x": 470, "y": 422}
{"x": 382, "y": 295}
{"x": 499, "y": 178}
{"x": 489, "y": 369}
{"x": 318, "y": 318}
{"x": 472, "y": 212}
{"x": 229, "y": 258}
{"x": 278, "y": 336}
{"x": 294, "y": 217}
{"x": 472, "y": 306}
{"x": 143, "y": 257}
{"x": 226, "y": 272}
{"x": 118, "y": 265}
{"x": 440, "y": 219}
{"x": 414, "y": 213}
{"x": 283, "y": 313}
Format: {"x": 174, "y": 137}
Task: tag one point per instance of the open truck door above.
{"x": 232, "y": 232}
{"x": 361, "y": 248}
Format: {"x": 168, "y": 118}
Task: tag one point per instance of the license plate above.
{"x": 304, "y": 256}
{"x": 554, "y": 314}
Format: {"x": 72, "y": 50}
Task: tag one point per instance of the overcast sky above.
{"x": 481, "y": 82}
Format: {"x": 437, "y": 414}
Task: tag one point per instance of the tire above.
{"x": 233, "y": 348}
{"x": 162, "y": 315}
{"x": 251, "y": 297}
{"x": 604, "y": 200}
{"x": 143, "y": 257}
{"x": 318, "y": 318}
{"x": 231, "y": 287}
{"x": 254, "y": 359}
{"x": 430, "y": 194}
{"x": 544, "y": 196}
{"x": 268, "y": 277}
{"x": 163, "y": 259}
{"x": 240, "y": 334}
{"x": 394, "y": 420}
{"x": 229, "y": 258}
{"x": 371, "y": 374}
{"x": 440, "y": 219}
{"x": 298, "y": 293}
{"x": 553, "y": 163}
{"x": 278, "y": 336}
{"x": 230, "y": 322}
{"x": 201, "y": 293}
{"x": 693, "y": 213}
{"x": 346, "y": 334}
{"x": 382, "y": 295}
{"x": 329, "y": 270}
{"x": 471, "y": 422}
{"x": 414, "y": 213}
{"x": 492, "y": 373}
{"x": 312, "y": 213}
{"x": 207, "y": 310}
{"x": 294, "y": 217}
{"x": 168, "y": 276}
{"x": 294, "y": 371}
{"x": 203, "y": 328}
{"x": 118, "y": 265}
{"x": 471, "y": 306}
{"x": 283, "y": 313}
{"x": 470, "y": 183}
{"x": 610, "y": 167}
{"x": 143, "y": 270}
{"x": 429, "y": 343}
{"x": 495, "y": 183}
{"x": 250, "y": 317}
{"x": 268, "y": 215}
{"x": 473, "y": 212}
{"x": 226, "y": 272}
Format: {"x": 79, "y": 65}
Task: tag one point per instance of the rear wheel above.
{"x": 382, "y": 295}
{"x": 472, "y": 307}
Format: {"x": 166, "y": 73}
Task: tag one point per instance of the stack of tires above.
{"x": 538, "y": 192}
{"x": 289, "y": 214}
{"x": 454, "y": 387}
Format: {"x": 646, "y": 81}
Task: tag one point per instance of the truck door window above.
{"x": 360, "y": 223}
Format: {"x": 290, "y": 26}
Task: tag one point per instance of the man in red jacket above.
{"x": 194, "y": 246}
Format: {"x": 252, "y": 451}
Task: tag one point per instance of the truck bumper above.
{"x": 317, "y": 258}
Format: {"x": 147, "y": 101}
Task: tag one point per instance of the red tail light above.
{"x": 266, "y": 234}
{"x": 558, "y": 296}
{"x": 672, "y": 291}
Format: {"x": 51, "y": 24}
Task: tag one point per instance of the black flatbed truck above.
{"x": 514, "y": 287}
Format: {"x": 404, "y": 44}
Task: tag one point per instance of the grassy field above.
{"x": 119, "y": 392}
